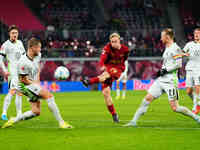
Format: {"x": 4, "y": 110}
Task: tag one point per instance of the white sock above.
{"x": 54, "y": 109}
{"x": 123, "y": 93}
{"x": 118, "y": 92}
{"x": 18, "y": 103}
{"x": 141, "y": 110}
{"x": 185, "y": 111}
{"x": 25, "y": 116}
{"x": 194, "y": 101}
{"x": 7, "y": 101}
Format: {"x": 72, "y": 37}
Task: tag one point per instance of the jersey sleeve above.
{"x": 3, "y": 50}
{"x": 2, "y": 55}
{"x": 22, "y": 48}
{"x": 177, "y": 60}
{"x": 186, "y": 48}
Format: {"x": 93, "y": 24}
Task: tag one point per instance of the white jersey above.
{"x": 172, "y": 60}
{"x": 194, "y": 55}
{"x": 29, "y": 67}
{"x": 12, "y": 52}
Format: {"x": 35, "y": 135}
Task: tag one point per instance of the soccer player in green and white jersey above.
{"x": 29, "y": 85}
{"x": 166, "y": 81}
{"x": 192, "y": 50}
{"x": 12, "y": 50}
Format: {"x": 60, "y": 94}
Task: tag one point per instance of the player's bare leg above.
{"x": 191, "y": 93}
{"x": 141, "y": 110}
{"x": 108, "y": 100}
{"x": 183, "y": 110}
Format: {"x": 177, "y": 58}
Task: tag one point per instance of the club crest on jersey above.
{"x": 22, "y": 68}
{"x": 113, "y": 70}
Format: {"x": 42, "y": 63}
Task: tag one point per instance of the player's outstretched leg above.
{"x": 140, "y": 111}
{"x": 7, "y": 101}
{"x": 183, "y": 110}
{"x": 53, "y": 108}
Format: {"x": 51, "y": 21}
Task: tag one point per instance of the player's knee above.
{"x": 36, "y": 112}
{"x": 12, "y": 92}
{"x": 106, "y": 92}
{"x": 189, "y": 91}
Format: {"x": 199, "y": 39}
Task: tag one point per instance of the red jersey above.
{"x": 113, "y": 57}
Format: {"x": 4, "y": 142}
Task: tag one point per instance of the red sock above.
{"x": 111, "y": 109}
{"x": 94, "y": 80}
{"x": 197, "y": 109}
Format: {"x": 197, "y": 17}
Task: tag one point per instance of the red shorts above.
{"x": 115, "y": 73}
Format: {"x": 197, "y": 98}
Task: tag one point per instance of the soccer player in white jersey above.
{"x": 166, "y": 81}
{"x": 192, "y": 50}
{"x": 12, "y": 50}
{"x": 29, "y": 85}
{"x": 123, "y": 79}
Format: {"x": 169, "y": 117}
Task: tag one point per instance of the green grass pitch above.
{"x": 158, "y": 129}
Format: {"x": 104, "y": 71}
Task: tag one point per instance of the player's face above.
{"x": 115, "y": 42}
{"x": 13, "y": 35}
{"x": 197, "y": 35}
{"x": 36, "y": 49}
{"x": 164, "y": 38}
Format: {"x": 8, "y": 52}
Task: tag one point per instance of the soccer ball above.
{"x": 61, "y": 73}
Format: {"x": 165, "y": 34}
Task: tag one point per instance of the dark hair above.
{"x": 197, "y": 29}
{"x": 33, "y": 42}
{"x": 169, "y": 32}
{"x": 13, "y": 27}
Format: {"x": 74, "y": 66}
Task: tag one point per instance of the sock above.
{"x": 185, "y": 111}
{"x": 194, "y": 101}
{"x": 118, "y": 92}
{"x": 18, "y": 103}
{"x": 25, "y": 116}
{"x": 141, "y": 110}
{"x": 54, "y": 109}
{"x": 111, "y": 109}
{"x": 6, "y": 104}
{"x": 94, "y": 80}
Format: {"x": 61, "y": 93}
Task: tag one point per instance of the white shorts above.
{"x": 192, "y": 78}
{"x": 123, "y": 78}
{"x": 34, "y": 88}
{"x": 13, "y": 83}
{"x": 159, "y": 87}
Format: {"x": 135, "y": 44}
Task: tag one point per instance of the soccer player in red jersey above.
{"x": 112, "y": 64}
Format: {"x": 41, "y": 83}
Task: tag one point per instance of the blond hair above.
{"x": 114, "y": 35}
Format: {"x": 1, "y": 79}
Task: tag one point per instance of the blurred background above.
{"x": 73, "y": 32}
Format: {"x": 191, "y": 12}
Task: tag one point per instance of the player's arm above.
{"x": 2, "y": 64}
{"x": 177, "y": 63}
{"x": 103, "y": 59}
